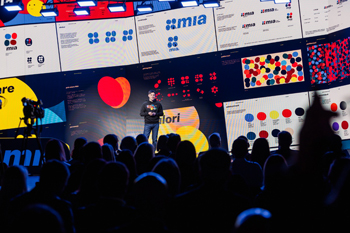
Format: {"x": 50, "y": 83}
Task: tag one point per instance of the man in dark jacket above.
{"x": 151, "y": 110}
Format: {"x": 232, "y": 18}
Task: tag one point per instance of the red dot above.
{"x": 156, "y": 85}
{"x": 159, "y": 81}
{"x": 287, "y": 113}
{"x": 258, "y": 83}
{"x": 13, "y": 42}
{"x": 345, "y": 125}
{"x": 272, "y": 61}
{"x": 263, "y": 134}
{"x": 278, "y": 63}
{"x": 256, "y": 66}
{"x": 248, "y": 75}
{"x": 111, "y": 92}
{"x": 257, "y": 59}
{"x": 300, "y": 78}
{"x": 262, "y": 63}
{"x": 243, "y": 61}
{"x": 255, "y": 73}
{"x": 261, "y": 116}
{"x": 14, "y": 35}
{"x": 169, "y": 95}
{"x": 334, "y": 107}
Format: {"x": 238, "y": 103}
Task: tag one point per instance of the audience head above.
{"x": 113, "y": 180}
{"x": 141, "y": 138}
{"x": 112, "y": 140}
{"x": 14, "y": 181}
{"x": 162, "y": 142}
{"x": 143, "y": 155}
{"x": 54, "y": 176}
{"x": 239, "y": 148}
{"x": 54, "y": 150}
{"x": 274, "y": 171}
{"x": 91, "y": 151}
{"x": 39, "y": 218}
{"x": 88, "y": 182}
{"x": 127, "y": 158}
{"x": 214, "y": 140}
{"x": 254, "y": 220}
{"x": 168, "y": 169}
{"x": 260, "y": 151}
{"x": 284, "y": 139}
{"x": 173, "y": 141}
{"x": 108, "y": 152}
{"x": 128, "y": 143}
{"x": 185, "y": 153}
{"x": 245, "y": 139}
{"x": 78, "y": 145}
{"x": 214, "y": 166}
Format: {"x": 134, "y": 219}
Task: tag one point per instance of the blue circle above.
{"x": 170, "y": 39}
{"x": 131, "y": 31}
{"x": 173, "y": 27}
{"x": 107, "y": 39}
{"x": 129, "y": 37}
{"x": 270, "y": 75}
{"x": 114, "y": 33}
{"x": 91, "y": 41}
{"x": 8, "y": 36}
{"x": 253, "y": 84}
{"x": 96, "y": 40}
{"x": 289, "y": 68}
{"x": 251, "y": 136}
{"x": 108, "y": 33}
{"x": 95, "y": 34}
{"x": 90, "y": 35}
{"x": 125, "y": 32}
{"x": 246, "y": 67}
{"x": 249, "y": 117}
{"x": 170, "y": 44}
{"x": 113, "y": 39}
{"x": 175, "y": 44}
{"x": 295, "y": 54}
{"x": 173, "y": 21}
{"x": 176, "y": 38}
{"x": 284, "y": 62}
{"x": 167, "y": 27}
{"x": 125, "y": 38}
{"x": 275, "y": 132}
{"x": 300, "y": 73}
{"x": 168, "y": 21}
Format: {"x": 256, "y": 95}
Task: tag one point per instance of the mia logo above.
{"x": 10, "y": 39}
{"x": 246, "y": 14}
{"x": 249, "y": 25}
{"x": 110, "y": 36}
{"x": 186, "y": 22}
{"x": 172, "y": 43}
{"x": 28, "y": 42}
{"x": 269, "y": 10}
{"x": 127, "y": 34}
{"x": 40, "y": 59}
{"x": 288, "y": 5}
{"x": 270, "y": 22}
{"x": 329, "y": 6}
{"x": 290, "y": 16}
{"x": 29, "y": 60}
{"x": 341, "y": 1}
{"x": 93, "y": 38}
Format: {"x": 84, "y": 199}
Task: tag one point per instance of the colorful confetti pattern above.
{"x": 273, "y": 69}
{"x": 329, "y": 62}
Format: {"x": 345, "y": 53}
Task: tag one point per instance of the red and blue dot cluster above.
{"x": 329, "y": 62}
{"x": 273, "y": 69}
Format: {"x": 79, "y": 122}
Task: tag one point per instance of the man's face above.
{"x": 151, "y": 96}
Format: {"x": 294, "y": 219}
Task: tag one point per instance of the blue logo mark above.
{"x": 93, "y": 38}
{"x": 127, "y": 35}
{"x": 110, "y": 36}
{"x": 185, "y": 22}
{"x": 170, "y": 24}
{"x": 172, "y": 41}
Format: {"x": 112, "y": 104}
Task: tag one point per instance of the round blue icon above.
{"x": 175, "y": 44}
{"x": 168, "y": 21}
{"x": 131, "y": 31}
{"x": 176, "y": 38}
{"x": 173, "y": 21}
{"x": 113, "y": 39}
{"x": 108, "y": 33}
{"x": 173, "y": 26}
{"x": 129, "y": 37}
{"x": 91, "y": 41}
{"x": 170, "y": 44}
{"x": 90, "y": 35}
{"x": 96, "y": 40}
{"x": 96, "y": 34}
{"x": 114, "y": 33}
{"x": 167, "y": 27}
{"x": 125, "y": 38}
{"x": 107, "y": 39}
{"x": 8, "y": 36}
{"x": 170, "y": 39}
{"x": 125, "y": 32}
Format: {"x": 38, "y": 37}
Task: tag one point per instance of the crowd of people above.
{"x": 130, "y": 186}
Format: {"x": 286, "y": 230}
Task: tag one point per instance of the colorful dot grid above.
{"x": 272, "y": 69}
{"x": 329, "y": 62}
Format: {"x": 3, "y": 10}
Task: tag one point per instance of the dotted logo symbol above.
{"x": 127, "y": 35}
{"x": 172, "y": 41}
{"x": 170, "y": 24}
{"x": 41, "y": 59}
{"x": 28, "y": 42}
{"x": 93, "y": 38}
{"x": 110, "y": 36}
{"x": 29, "y": 60}
{"x": 10, "y": 39}
{"x": 290, "y": 16}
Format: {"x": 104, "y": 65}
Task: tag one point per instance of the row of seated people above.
{"x": 129, "y": 188}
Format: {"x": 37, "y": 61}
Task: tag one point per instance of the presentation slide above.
{"x": 30, "y": 49}
{"x": 98, "y": 12}
{"x": 272, "y": 69}
{"x": 99, "y": 43}
{"x": 337, "y": 100}
{"x": 254, "y": 23}
{"x": 329, "y": 62}
{"x": 321, "y": 17}
{"x": 175, "y": 33}
{"x": 265, "y": 117}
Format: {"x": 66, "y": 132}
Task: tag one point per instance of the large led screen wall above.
{"x": 241, "y": 69}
